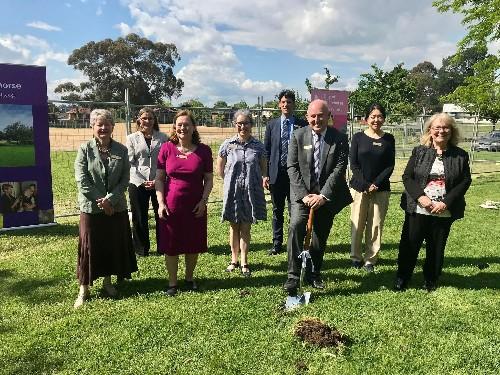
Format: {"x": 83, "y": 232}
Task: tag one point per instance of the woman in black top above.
{"x": 371, "y": 158}
{"x": 436, "y": 178}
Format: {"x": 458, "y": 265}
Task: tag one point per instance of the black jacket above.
{"x": 456, "y": 172}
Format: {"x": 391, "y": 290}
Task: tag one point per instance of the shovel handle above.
{"x": 307, "y": 239}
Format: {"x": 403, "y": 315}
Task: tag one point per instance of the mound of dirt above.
{"x": 313, "y": 331}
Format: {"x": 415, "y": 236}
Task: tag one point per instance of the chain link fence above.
{"x": 69, "y": 127}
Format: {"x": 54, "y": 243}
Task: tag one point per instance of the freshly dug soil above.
{"x": 313, "y": 331}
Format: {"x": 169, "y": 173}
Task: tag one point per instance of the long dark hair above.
{"x": 373, "y": 107}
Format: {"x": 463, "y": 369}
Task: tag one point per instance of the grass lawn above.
{"x": 235, "y": 325}
{"x": 17, "y": 155}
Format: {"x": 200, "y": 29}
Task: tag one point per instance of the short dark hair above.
{"x": 373, "y": 107}
{"x": 289, "y": 94}
{"x": 6, "y": 186}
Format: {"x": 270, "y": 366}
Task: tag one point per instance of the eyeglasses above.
{"x": 241, "y": 123}
{"x": 440, "y": 128}
{"x": 146, "y": 118}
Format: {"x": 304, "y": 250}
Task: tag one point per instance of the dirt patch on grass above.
{"x": 313, "y": 331}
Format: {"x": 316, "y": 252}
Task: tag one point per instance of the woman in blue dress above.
{"x": 242, "y": 164}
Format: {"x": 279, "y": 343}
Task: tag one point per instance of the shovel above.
{"x": 292, "y": 302}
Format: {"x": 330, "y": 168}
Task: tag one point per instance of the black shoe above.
{"x": 369, "y": 268}
{"x": 171, "y": 291}
{"x": 357, "y": 264}
{"x": 317, "y": 283}
{"x": 275, "y": 250}
{"x": 191, "y": 285}
{"x": 400, "y": 284}
{"x": 291, "y": 286}
{"x": 142, "y": 254}
{"x": 430, "y": 286}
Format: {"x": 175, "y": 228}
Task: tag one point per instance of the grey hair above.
{"x": 243, "y": 112}
{"x": 101, "y": 113}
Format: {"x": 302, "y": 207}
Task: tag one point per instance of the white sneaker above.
{"x": 80, "y": 300}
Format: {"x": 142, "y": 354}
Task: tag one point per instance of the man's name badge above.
{"x": 308, "y": 147}
{"x": 377, "y": 143}
{"x": 180, "y": 156}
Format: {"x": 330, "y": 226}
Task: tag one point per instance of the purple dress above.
{"x": 182, "y": 232}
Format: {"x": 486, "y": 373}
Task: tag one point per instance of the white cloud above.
{"x": 385, "y": 32}
{"x": 52, "y": 84}
{"x": 19, "y": 49}
{"x": 43, "y": 26}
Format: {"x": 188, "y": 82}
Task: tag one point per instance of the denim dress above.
{"x": 244, "y": 200}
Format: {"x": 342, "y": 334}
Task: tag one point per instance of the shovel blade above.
{"x": 292, "y": 302}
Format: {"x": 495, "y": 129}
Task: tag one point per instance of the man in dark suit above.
{"x": 278, "y": 135}
{"x": 317, "y": 162}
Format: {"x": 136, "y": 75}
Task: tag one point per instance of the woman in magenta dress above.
{"x": 184, "y": 180}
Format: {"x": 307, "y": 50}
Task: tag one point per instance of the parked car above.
{"x": 489, "y": 142}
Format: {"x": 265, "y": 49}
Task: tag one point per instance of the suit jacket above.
{"x": 272, "y": 144}
{"x": 95, "y": 180}
{"x": 334, "y": 156}
{"x": 142, "y": 159}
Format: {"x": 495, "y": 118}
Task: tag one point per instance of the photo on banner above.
{"x": 26, "y": 198}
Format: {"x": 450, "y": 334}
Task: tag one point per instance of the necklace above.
{"x": 183, "y": 149}
{"x": 102, "y": 149}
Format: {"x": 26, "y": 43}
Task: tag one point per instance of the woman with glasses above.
{"x": 143, "y": 148}
{"x": 242, "y": 164}
{"x": 436, "y": 179}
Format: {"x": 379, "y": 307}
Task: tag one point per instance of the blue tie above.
{"x": 285, "y": 136}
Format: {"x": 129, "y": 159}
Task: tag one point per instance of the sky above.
{"x": 236, "y": 50}
{"x": 11, "y": 113}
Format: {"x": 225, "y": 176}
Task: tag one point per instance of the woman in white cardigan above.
{"x": 143, "y": 147}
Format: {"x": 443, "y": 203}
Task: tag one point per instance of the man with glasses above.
{"x": 317, "y": 162}
{"x": 278, "y": 135}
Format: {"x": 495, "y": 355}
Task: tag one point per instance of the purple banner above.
{"x": 25, "y": 175}
{"x": 337, "y": 104}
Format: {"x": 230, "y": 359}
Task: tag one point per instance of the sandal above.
{"x": 232, "y": 266}
{"x": 245, "y": 270}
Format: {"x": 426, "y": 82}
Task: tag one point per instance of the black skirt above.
{"x": 105, "y": 247}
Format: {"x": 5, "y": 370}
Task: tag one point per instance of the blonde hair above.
{"x": 449, "y": 121}
{"x": 101, "y": 113}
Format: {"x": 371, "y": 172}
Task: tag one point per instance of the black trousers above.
{"x": 139, "y": 206}
{"x": 417, "y": 228}
{"x": 280, "y": 193}
{"x": 322, "y": 224}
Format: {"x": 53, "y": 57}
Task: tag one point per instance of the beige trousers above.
{"x": 368, "y": 212}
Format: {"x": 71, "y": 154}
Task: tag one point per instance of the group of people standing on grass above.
{"x": 302, "y": 163}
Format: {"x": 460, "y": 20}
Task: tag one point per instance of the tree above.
{"x": 393, "y": 89}
{"x": 132, "y": 62}
{"x": 480, "y": 92}
{"x": 240, "y": 105}
{"x": 424, "y": 77}
{"x": 482, "y": 18}
{"x": 221, "y": 104}
{"x": 19, "y": 133}
{"x": 329, "y": 80}
{"x": 457, "y": 67}
{"x": 191, "y": 103}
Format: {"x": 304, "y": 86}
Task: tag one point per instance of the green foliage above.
{"x": 482, "y": 18}
{"x": 329, "y": 80}
{"x": 393, "y": 89}
{"x": 132, "y": 62}
{"x": 424, "y": 77}
{"x": 192, "y": 103}
{"x": 18, "y": 132}
{"x": 221, "y": 104}
{"x": 235, "y": 326}
{"x": 240, "y": 105}
{"x": 480, "y": 93}
{"x": 456, "y": 68}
